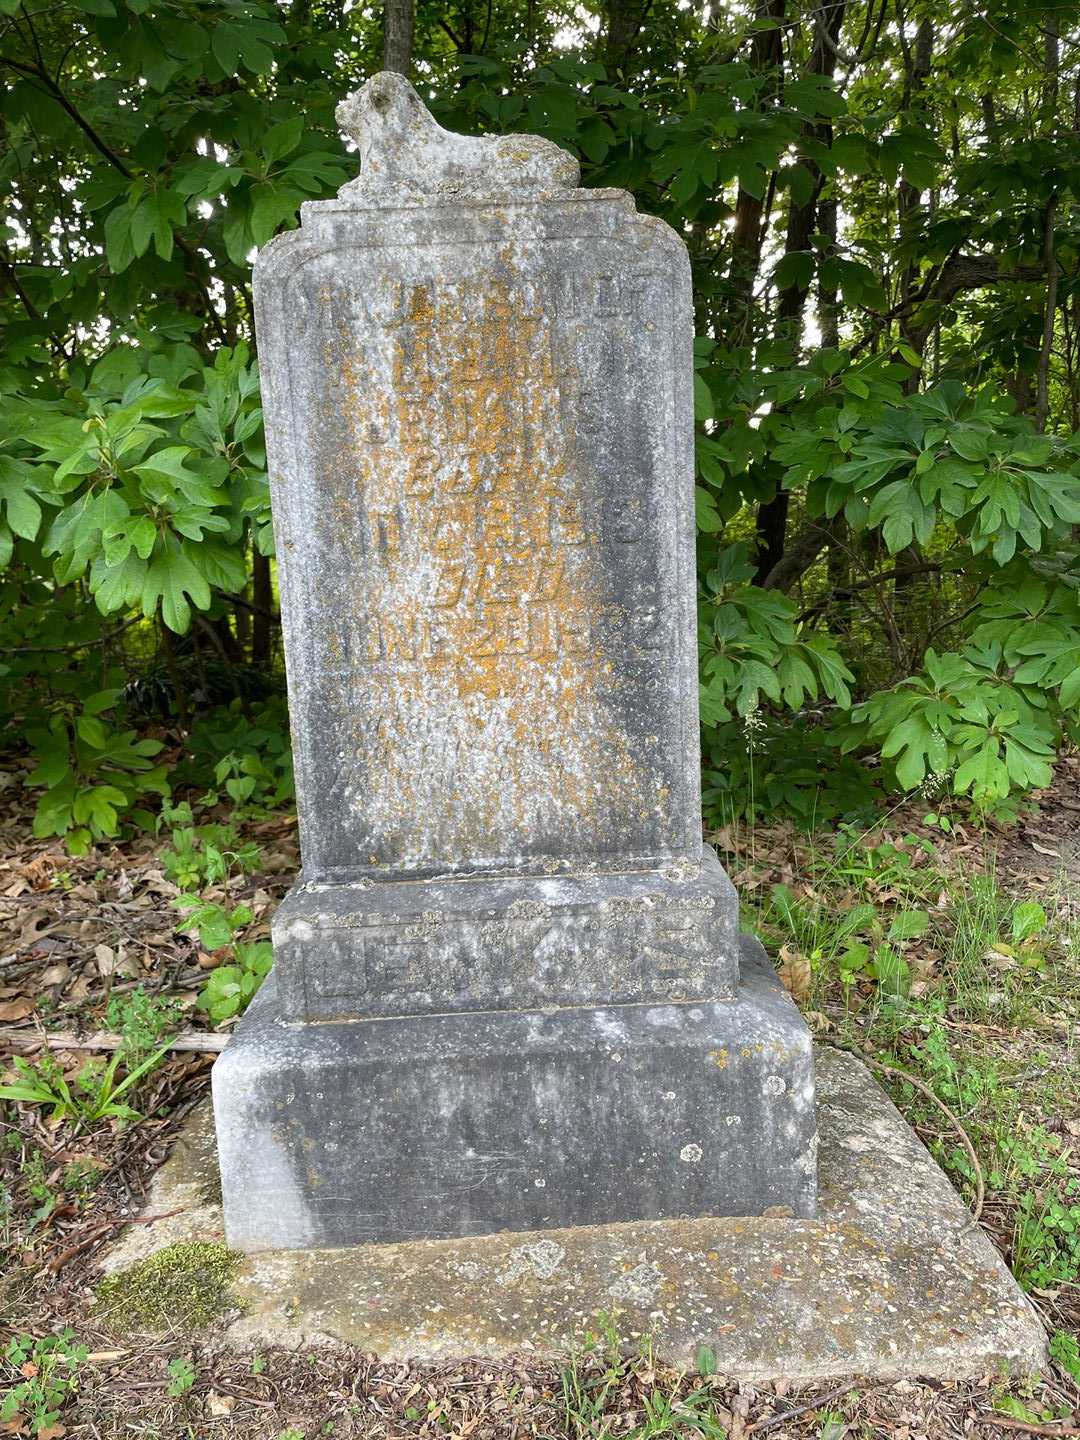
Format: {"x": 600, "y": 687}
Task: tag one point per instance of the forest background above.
{"x": 880, "y": 201}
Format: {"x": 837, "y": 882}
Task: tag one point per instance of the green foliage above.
{"x": 1065, "y": 1351}
{"x": 95, "y": 1094}
{"x": 763, "y": 765}
{"x": 181, "y": 1377}
{"x": 887, "y": 498}
{"x": 960, "y": 719}
{"x": 1046, "y": 1243}
{"x": 603, "y": 1371}
{"x": 229, "y": 988}
{"x": 93, "y": 772}
{"x": 752, "y": 650}
{"x": 216, "y": 925}
{"x": 141, "y": 1019}
{"x": 245, "y": 757}
{"x": 207, "y": 855}
{"x": 154, "y": 474}
{"x": 50, "y": 1366}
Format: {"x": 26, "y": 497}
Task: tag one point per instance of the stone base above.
{"x": 405, "y": 947}
{"x": 892, "y": 1278}
{"x": 443, "y": 1126}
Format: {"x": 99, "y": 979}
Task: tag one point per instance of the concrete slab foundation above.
{"x": 892, "y": 1278}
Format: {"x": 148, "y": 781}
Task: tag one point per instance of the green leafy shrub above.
{"x": 214, "y": 924}
{"x": 248, "y": 757}
{"x": 887, "y": 477}
{"x": 93, "y": 772}
{"x": 152, "y": 480}
{"x": 764, "y": 766}
{"x": 207, "y": 855}
{"x": 753, "y": 651}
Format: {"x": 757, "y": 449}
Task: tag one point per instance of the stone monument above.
{"x": 509, "y": 990}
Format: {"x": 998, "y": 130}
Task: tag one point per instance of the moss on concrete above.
{"x": 183, "y": 1287}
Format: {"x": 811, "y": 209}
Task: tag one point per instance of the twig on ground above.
{"x": 200, "y": 1042}
{"x": 1028, "y": 1427}
{"x": 99, "y": 1232}
{"x": 760, "y": 1426}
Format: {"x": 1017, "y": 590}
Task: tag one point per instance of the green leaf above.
{"x": 892, "y": 973}
{"x": 270, "y": 208}
{"x": 1028, "y": 918}
{"x": 703, "y": 401}
{"x": 909, "y": 925}
{"x": 119, "y": 246}
{"x": 283, "y": 139}
{"x": 795, "y": 270}
{"x": 172, "y": 578}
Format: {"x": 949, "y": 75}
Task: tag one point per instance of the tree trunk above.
{"x": 828, "y": 298}
{"x": 1051, "y": 90}
{"x": 623, "y": 21}
{"x": 908, "y": 197}
{"x": 802, "y": 222}
{"x": 767, "y": 55}
{"x": 398, "y": 18}
{"x": 263, "y": 600}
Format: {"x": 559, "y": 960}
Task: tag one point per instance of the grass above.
{"x": 608, "y": 1389}
{"x": 946, "y": 968}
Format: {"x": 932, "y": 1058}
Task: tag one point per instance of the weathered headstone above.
{"x": 506, "y": 990}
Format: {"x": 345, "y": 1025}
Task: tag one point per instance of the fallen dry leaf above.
{"x": 795, "y": 972}
{"x": 16, "y": 1009}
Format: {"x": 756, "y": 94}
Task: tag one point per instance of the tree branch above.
{"x": 1042, "y": 391}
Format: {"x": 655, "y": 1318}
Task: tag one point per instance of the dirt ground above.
{"x": 75, "y": 934}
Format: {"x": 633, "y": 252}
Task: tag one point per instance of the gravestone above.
{"x": 509, "y": 991}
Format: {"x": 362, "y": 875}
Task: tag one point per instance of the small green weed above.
{"x": 182, "y": 1376}
{"x": 229, "y": 988}
{"x": 95, "y": 1093}
{"x": 600, "y": 1381}
{"x": 81, "y": 1177}
{"x": 1046, "y": 1246}
{"x": 208, "y": 855}
{"x": 49, "y": 1368}
{"x": 1065, "y": 1351}
{"x": 248, "y": 757}
{"x": 141, "y": 1020}
{"x": 215, "y": 925}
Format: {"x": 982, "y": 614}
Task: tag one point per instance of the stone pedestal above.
{"x": 509, "y": 990}
{"x": 449, "y": 1125}
{"x": 393, "y": 948}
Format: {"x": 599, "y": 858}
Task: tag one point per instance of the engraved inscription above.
{"x": 494, "y": 585}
